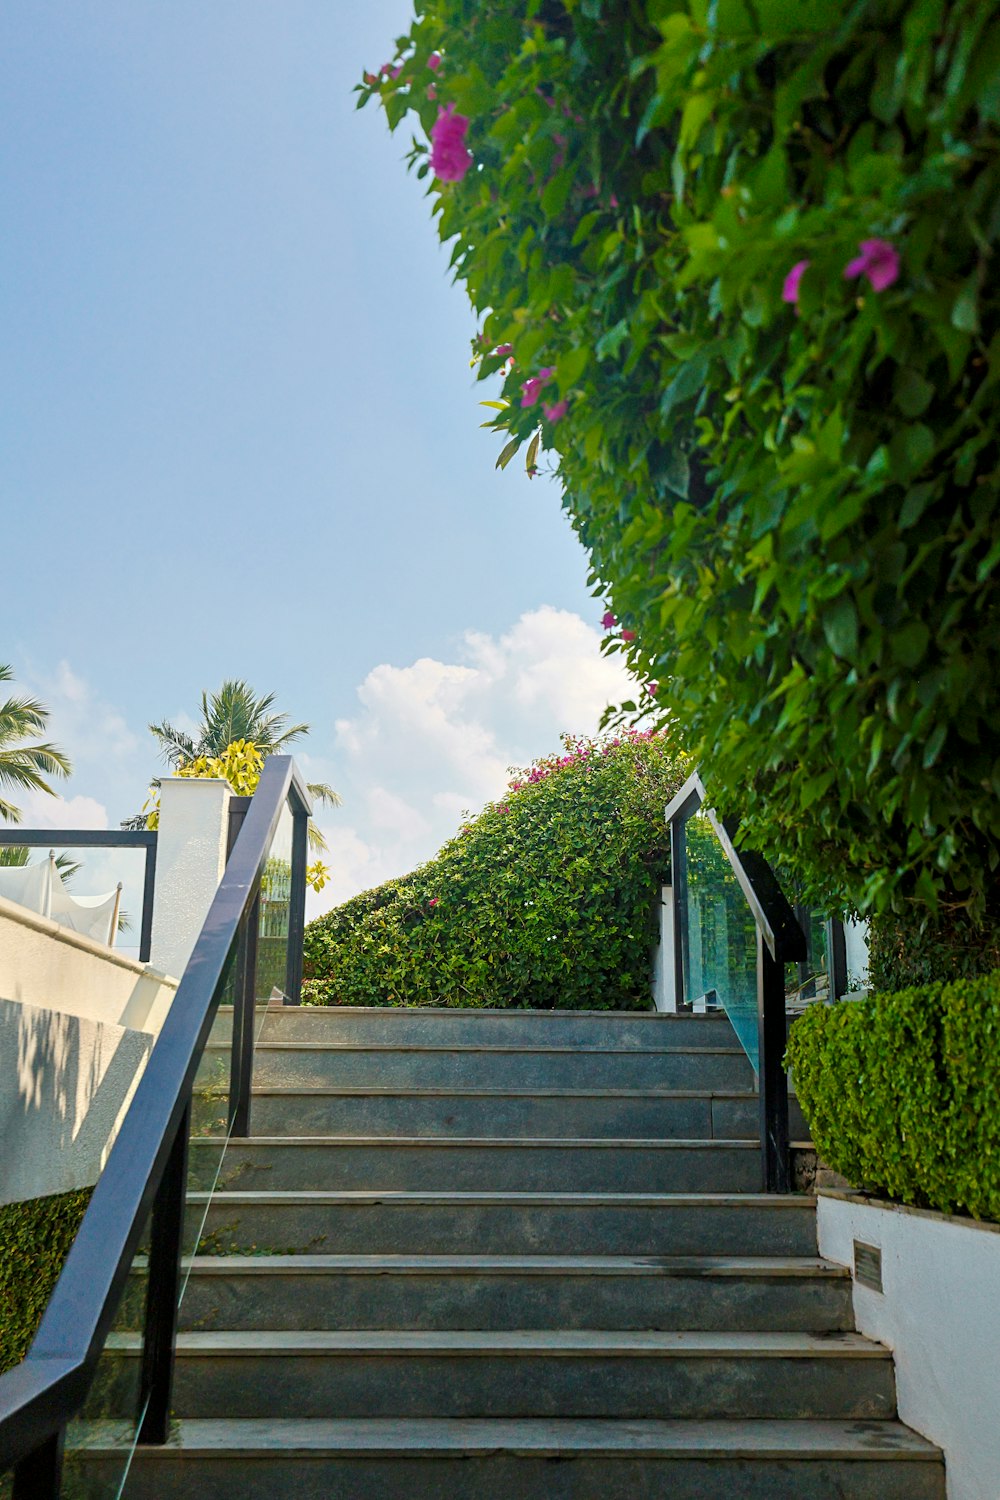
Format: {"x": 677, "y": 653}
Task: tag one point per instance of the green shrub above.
{"x": 795, "y": 507}
{"x": 35, "y": 1238}
{"x": 547, "y": 899}
{"x": 902, "y": 1092}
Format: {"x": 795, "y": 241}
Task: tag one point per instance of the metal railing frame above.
{"x": 97, "y": 838}
{"x": 146, "y": 1170}
{"x": 780, "y": 941}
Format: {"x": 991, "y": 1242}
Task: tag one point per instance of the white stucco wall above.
{"x": 45, "y": 964}
{"x": 939, "y": 1312}
{"x": 190, "y": 860}
{"x": 664, "y": 997}
{"x": 65, "y": 1084}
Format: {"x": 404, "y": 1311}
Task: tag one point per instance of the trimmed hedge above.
{"x": 546, "y": 900}
{"x": 35, "y": 1238}
{"x": 902, "y": 1092}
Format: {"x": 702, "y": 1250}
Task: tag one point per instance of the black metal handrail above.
{"x": 780, "y": 941}
{"x": 98, "y": 838}
{"x": 146, "y": 1173}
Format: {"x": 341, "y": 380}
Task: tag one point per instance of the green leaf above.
{"x": 910, "y": 643}
{"x": 913, "y": 393}
{"x": 840, "y": 627}
{"x": 507, "y": 453}
{"x": 913, "y": 507}
{"x": 965, "y": 309}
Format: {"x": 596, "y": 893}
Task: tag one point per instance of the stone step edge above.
{"x": 544, "y": 1343}
{"x": 778, "y": 1201}
{"x": 701, "y": 1267}
{"x": 469, "y": 1437}
{"x": 337, "y": 1049}
{"x": 354, "y": 1091}
{"x": 489, "y": 1142}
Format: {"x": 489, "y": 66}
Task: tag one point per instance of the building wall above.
{"x": 939, "y": 1312}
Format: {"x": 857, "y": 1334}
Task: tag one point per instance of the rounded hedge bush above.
{"x": 545, "y": 900}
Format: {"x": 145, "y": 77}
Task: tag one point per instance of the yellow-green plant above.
{"x": 240, "y": 764}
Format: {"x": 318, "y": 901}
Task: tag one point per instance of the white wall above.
{"x": 45, "y": 964}
{"x": 190, "y": 860}
{"x": 939, "y": 1312}
{"x": 664, "y": 997}
{"x": 65, "y": 1084}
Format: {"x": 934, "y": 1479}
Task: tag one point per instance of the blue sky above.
{"x": 239, "y": 432}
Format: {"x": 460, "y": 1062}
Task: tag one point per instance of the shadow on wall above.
{"x": 65, "y": 1083}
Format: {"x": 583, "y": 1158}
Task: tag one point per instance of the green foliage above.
{"x": 910, "y": 948}
{"x": 545, "y": 900}
{"x": 903, "y": 1095}
{"x": 795, "y": 508}
{"x": 35, "y": 1238}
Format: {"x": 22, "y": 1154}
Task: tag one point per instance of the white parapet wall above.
{"x": 78, "y": 1020}
{"x": 77, "y": 1023}
{"x": 939, "y": 1312}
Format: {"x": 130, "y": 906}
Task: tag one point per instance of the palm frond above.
{"x": 321, "y": 792}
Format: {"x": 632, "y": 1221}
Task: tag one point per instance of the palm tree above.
{"x": 25, "y": 766}
{"x": 235, "y": 712}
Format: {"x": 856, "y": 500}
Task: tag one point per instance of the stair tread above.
{"x": 756, "y": 1438}
{"x": 449, "y": 1142}
{"x": 552, "y": 1342}
{"x": 365, "y": 1091}
{"x": 228, "y": 1197}
{"x": 545, "y": 1265}
{"x": 503, "y": 1048}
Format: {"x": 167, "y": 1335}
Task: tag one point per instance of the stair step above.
{"x": 508, "y": 1223}
{"x": 544, "y": 1372}
{"x": 414, "y": 1163}
{"x": 413, "y": 1025}
{"x": 502, "y": 1292}
{"x": 662, "y": 1113}
{"x": 308, "y": 1064}
{"x": 467, "y": 1459}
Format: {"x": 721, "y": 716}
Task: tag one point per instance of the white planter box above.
{"x": 939, "y": 1312}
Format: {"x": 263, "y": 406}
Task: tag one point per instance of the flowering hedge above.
{"x": 736, "y": 258}
{"x": 547, "y": 899}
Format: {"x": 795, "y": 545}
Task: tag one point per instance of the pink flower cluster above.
{"x": 450, "y": 156}
{"x": 879, "y": 261}
{"x": 532, "y": 389}
{"x": 579, "y": 752}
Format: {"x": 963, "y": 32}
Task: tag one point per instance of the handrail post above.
{"x": 772, "y": 1079}
{"x": 38, "y": 1476}
{"x": 297, "y": 906}
{"x": 148, "y": 893}
{"x": 163, "y": 1290}
{"x": 244, "y": 1001}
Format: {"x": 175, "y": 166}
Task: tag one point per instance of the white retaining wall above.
{"x": 939, "y": 1312}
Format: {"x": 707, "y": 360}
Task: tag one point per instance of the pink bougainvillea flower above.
{"x": 433, "y": 901}
{"x": 371, "y": 78}
{"x": 432, "y": 92}
{"x": 608, "y": 620}
{"x": 504, "y": 350}
{"x": 450, "y": 156}
{"x": 879, "y": 261}
{"x": 628, "y": 635}
{"x": 790, "y": 290}
{"x": 652, "y": 688}
{"x": 532, "y": 389}
{"x": 395, "y": 72}
{"x": 554, "y": 410}
{"x": 434, "y": 61}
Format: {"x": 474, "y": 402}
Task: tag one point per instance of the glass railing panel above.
{"x": 78, "y": 887}
{"x": 101, "y": 1439}
{"x": 273, "y": 920}
{"x": 718, "y": 934}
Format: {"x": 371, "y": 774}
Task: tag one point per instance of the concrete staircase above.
{"x": 517, "y": 1255}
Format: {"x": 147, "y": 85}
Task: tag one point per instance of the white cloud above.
{"x": 39, "y": 810}
{"x": 435, "y": 738}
